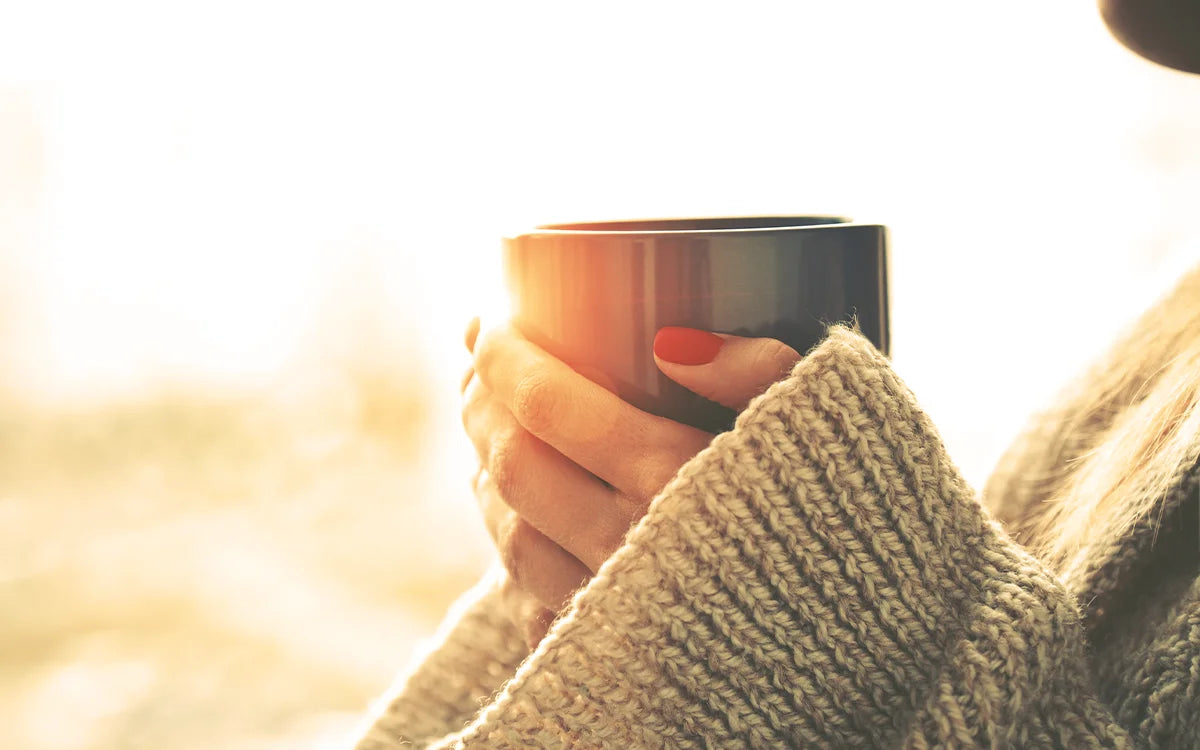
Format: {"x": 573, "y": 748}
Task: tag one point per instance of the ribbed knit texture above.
{"x": 821, "y": 576}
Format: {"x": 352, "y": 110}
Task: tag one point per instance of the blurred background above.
{"x": 239, "y": 242}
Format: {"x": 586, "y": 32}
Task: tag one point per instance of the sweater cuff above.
{"x": 820, "y": 575}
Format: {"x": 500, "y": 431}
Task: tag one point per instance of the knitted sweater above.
{"x": 822, "y": 576}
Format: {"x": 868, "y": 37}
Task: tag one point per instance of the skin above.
{"x": 566, "y": 467}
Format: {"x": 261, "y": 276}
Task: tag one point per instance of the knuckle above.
{"x": 486, "y": 352}
{"x": 490, "y": 508}
{"x": 535, "y": 625}
{"x": 471, "y": 399}
{"x": 465, "y": 413}
{"x": 471, "y": 333}
{"x": 468, "y": 416}
{"x": 654, "y": 474}
{"x": 775, "y": 358}
{"x": 484, "y": 492}
{"x": 506, "y": 464}
{"x": 512, "y": 594}
{"x": 517, "y": 547}
{"x": 536, "y": 402}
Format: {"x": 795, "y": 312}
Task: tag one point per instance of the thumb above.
{"x": 730, "y": 370}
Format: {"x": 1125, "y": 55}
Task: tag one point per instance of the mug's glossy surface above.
{"x": 594, "y": 294}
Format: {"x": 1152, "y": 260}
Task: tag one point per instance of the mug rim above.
{"x": 787, "y": 223}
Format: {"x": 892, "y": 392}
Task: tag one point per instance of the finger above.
{"x": 598, "y": 376}
{"x": 536, "y": 564}
{"x": 555, "y": 495}
{"x": 491, "y": 508}
{"x": 730, "y": 370}
{"x": 466, "y": 380}
{"x": 541, "y": 567}
{"x": 634, "y": 451}
{"x": 471, "y": 333}
{"x": 475, "y": 398}
{"x": 537, "y": 626}
{"x": 524, "y": 611}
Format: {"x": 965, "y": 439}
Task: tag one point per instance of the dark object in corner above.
{"x": 1164, "y": 31}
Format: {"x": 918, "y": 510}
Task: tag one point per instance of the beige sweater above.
{"x": 822, "y": 576}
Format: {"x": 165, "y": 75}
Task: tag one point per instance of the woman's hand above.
{"x": 567, "y": 467}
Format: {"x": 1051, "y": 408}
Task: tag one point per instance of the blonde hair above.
{"x": 1102, "y": 460}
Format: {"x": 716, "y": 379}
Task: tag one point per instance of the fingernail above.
{"x": 686, "y": 346}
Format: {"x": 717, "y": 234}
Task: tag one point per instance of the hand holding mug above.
{"x": 579, "y": 420}
{"x": 567, "y": 467}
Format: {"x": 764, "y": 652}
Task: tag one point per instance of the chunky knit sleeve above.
{"x": 820, "y": 576}
{"x": 474, "y": 652}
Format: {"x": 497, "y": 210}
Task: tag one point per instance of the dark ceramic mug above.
{"x": 595, "y": 294}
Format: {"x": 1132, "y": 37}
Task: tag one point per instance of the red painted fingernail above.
{"x": 687, "y": 346}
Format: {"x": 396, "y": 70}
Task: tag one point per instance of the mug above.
{"x": 594, "y": 294}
